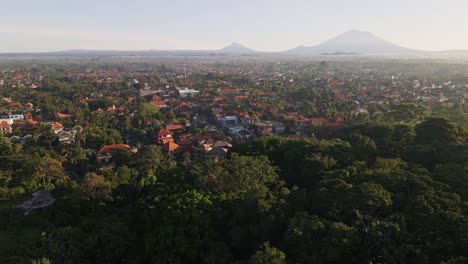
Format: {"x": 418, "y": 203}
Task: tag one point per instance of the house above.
{"x": 187, "y": 92}
{"x": 203, "y": 140}
{"x": 14, "y": 116}
{"x": 228, "y": 92}
{"x": 15, "y": 104}
{"x": 335, "y": 122}
{"x": 5, "y": 128}
{"x": 218, "y": 150}
{"x": 18, "y": 123}
{"x": 65, "y": 137}
{"x": 170, "y": 147}
{"x": 164, "y": 136}
{"x": 222, "y": 144}
{"x": 199, "y": 152}
{"x": 6, "y": 120}
{"x": 62, "y": 116}
{"x": 186, "y": 136}
{"x": 106, "y": 152}
{"x": 175, "y": 128}
{"x": 186, "y": 145}
{"x": 240, "y": 98}
{"x": 56, "y": 127}
{"x": 160, "y": 104}
{"x": 267, "y": 95}
{"x": 184, "y": 109}
{"x": 7, "y": 100}
{"x": 217, "y": 153}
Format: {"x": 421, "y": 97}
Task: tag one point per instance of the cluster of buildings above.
{"x": 211, "y": 111}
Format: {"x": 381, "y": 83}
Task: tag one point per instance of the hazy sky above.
{"x": 267, "y": 25}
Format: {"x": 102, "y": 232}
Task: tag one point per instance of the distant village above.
{"x": 203, "y": 114}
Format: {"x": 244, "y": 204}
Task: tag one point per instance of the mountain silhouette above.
{"x": 354, "y": 41}
{"x": 236, "y": 48}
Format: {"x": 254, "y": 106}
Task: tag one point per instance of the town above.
{"x": 201, "y": 112}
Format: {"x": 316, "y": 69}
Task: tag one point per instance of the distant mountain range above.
{"x": 236, "y": 48}
{"x": 353, "y": 42}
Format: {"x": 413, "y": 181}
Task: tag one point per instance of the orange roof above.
{"x": 4, "y": 124}
{"x": 266, "y": 131}
{"x": 31, "y": 122}
{"x": 166, "y": 139}
{"x": 240, "y": 97}
{"x": 174, "y": 127}
{"x": 267, "y": 93}
{"x": 56, "y": 125}
{"x": 170, "y": 146}
{"x": 113, "y": 148}
{"x": 204, "y": 147}
{"x": 319, "y": 120}
{"x": 163, "y": 133}
{"x": 158, "y": 103}
{"x": 25, "y": 122}
{"x": 62, "y": 115}
{"x": 184, "y": 105}
{"x": 229, "y": 90}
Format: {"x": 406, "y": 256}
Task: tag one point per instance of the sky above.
{"x": 264, "y": 25}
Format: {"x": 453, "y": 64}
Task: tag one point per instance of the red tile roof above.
{"x": 113, "y": 148}
{"x": 158, "y": 103}
{"x": 270, "y": 94}
{"x": 163, "y": 133}
{"x": 4, "y": 124}
{"x": 184, "y": 105}
{"x": 56, "y": 125}
{"x": 62, "y": 115}
{"x": 170, "y": 146}
{"x": 25, "y": 122}
{"x": 174, "y": 127}
{"x": 229, "y": 90}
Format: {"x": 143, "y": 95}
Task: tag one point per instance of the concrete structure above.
{"x": 40, "y": 201}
